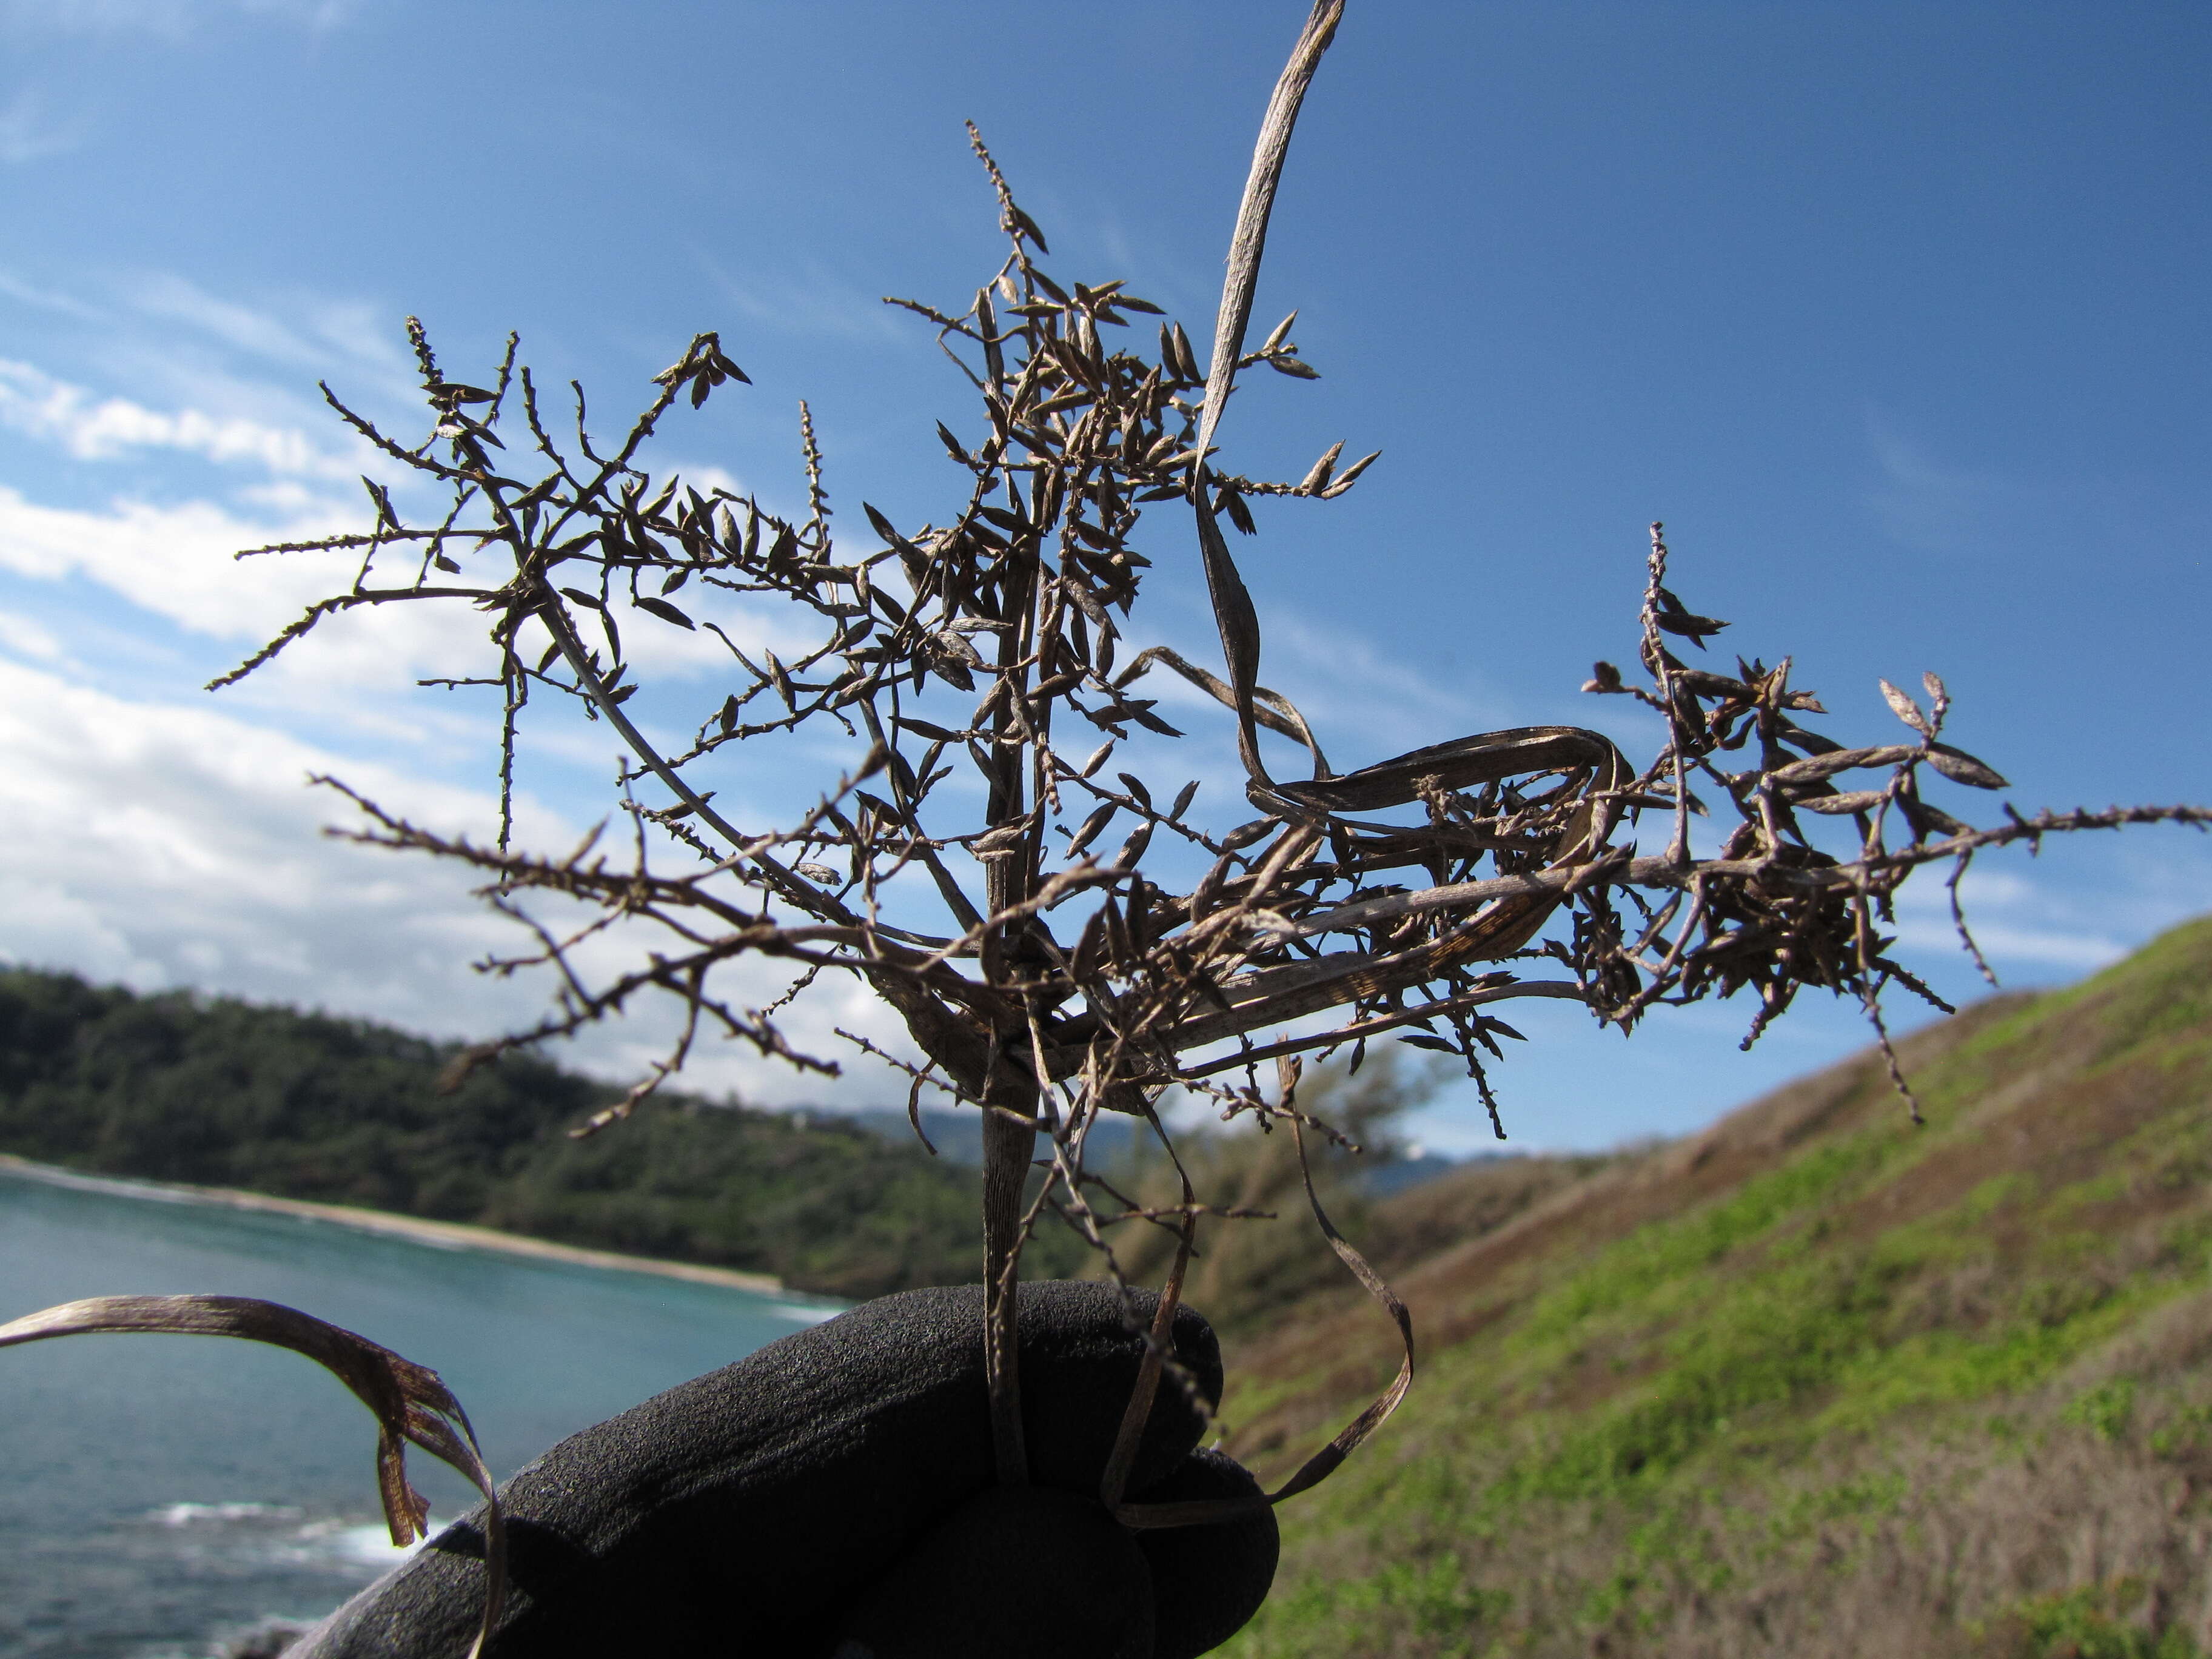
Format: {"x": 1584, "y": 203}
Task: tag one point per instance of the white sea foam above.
{"x": 347, "y": 1544}
{"x": 804, "y": 1313}
{"x": 107, "y": 1186}
{"x": 196, "y": 1514}
{"x": 280, "y": 1534}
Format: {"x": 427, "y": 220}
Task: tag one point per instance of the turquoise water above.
{"x": 161, "y": 1496}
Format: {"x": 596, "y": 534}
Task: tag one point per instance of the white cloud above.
{"x": 157, "y": 845}
{"x": 356, "y": 674}
{"x": 160, "y": 845}
{"x": 175, "y": 562}
{"x": 37, "y": 404}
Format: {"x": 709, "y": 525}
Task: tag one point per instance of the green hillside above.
{"x": 227, "y": 1094}
{"x": 1812, "y": 1384}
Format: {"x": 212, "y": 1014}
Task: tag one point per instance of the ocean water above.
{"x": 164, "y": 1497}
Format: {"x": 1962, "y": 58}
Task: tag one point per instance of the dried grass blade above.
{"x": 1233, "y": 614}
{"x": 1324, "y": 1462}
{"x": 1249, "y": 244}
{"x": 1485, "y": 757}
{"x": 1271, "y": 708}
{"x": 1158, "y": 1344}
{"x": 410, "y": 1402}
{"x": 1239, "y": 625}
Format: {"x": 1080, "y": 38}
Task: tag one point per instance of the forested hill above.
{"x": 1813, "y": 1383}
{"x": 227, "y": 1094}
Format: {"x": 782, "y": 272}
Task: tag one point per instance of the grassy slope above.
{"x": 1811, "y": 1383}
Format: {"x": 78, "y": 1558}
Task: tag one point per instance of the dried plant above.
{"x": 1410, "y": 897}
{"x": 991, "y": 640}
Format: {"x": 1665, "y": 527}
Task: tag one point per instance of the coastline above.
{"x": 443, "y": 1235}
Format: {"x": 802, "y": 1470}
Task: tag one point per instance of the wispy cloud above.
{"x": 317, "y": 14}
{"x": 160, "y": 330}
{"x": 354, "y": 330}
{"x": 29, "y": 131}
{"x": 168, "y": 19}
{"x": 30, "y": 294}
{"x": 816, "y": 301}
{"x": 21, "y": 637}
{"x": 1347, "y": 680}
{"x": 1925, "y": 503}
{"x": 2032, "y": 929}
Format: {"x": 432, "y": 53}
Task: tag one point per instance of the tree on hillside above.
{"x": 1063, "y": 935}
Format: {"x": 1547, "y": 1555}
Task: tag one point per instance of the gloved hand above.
{"x": 834, "y": 1493}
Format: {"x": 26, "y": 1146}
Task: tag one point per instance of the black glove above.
{"x": 834, "y": 1492}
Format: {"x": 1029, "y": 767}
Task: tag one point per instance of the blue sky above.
{"x": 1893, "y": 313}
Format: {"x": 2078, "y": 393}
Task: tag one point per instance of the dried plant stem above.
{"x": 1406, "y": 897}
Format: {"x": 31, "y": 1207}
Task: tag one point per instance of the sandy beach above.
{"x": 445, "y": 1235}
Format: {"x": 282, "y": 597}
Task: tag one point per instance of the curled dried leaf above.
{"x": 410, "y": 1402}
